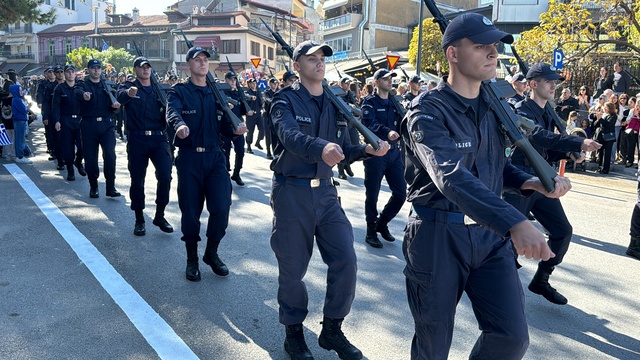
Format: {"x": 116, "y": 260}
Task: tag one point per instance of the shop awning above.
{"x": 18, "y": 67}
{"x": 332, "y": 4}
{"x": 16, "y": 40}
{"x": 207, "y": 41}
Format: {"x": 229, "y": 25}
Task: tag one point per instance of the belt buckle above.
{"x": 200, "y": 149}
{"x": 99, "y": 118}
{"x": 148, "y": 132}
{"x": 315, "y": 183}
{"x": 74, "y": 116}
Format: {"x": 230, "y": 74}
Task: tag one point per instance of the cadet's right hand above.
{"x": 530, "y": 242}
{"x": 332, "y": 154}
{"x": 383, "y": 147}
{"x": 45, "y": 121}
{"x": 86, "y": 96}
{"x": 182, "y": 132}
{"x": 57, "y": 126}
{"x": 132, "y": 91}
{"x": 590, "y": 145}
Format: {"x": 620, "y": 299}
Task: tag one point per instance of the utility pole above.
{"x": 419, "y": 59}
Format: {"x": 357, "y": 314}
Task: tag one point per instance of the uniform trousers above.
{"x": 99, "y": 134}
{"x": 238, "y": 148}
{"x": 300, "y": 214}
{"x": 71, "y": 140}
{"x": 202, "y": 176}
{"x": 252, "y": 123}
{"x": 446, "y": 257}
{"x": 550, "y": 214}
{"x": 141, "y": 149}
{"x": 391, "y": 167}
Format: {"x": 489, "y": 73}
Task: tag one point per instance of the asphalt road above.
{"x": 88, "y": 288}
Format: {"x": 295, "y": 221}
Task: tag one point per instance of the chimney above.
{"x": 136, "y": 16}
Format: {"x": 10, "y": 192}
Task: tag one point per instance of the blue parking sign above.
{"x": 558, "y": 57}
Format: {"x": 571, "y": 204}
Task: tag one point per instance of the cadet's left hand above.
{"x": 563, "y": 185}
{"x": 590, "y": 145}
{"x": 393, "y": 135}
{"x": 383, "y": 147}
{"x": 116, "y": 105}
{"x": 250, "y": 113}
{"x": 241, "y": 129}
{"x": 332, "y": 154}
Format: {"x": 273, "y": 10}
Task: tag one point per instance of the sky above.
{"x": 146, "y": 7}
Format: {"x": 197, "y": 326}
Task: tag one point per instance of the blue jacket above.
{"x": 18, "y": 108}
{"x": 303, "y": 130}
{"x": 456, "y": 159}
{"x": 380, "y": 116}
{"x": 144, "y": 112}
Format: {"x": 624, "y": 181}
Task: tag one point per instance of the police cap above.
{"x": 542, "y": 70}
{"x": 58, "y": 68}
{"x": 416, "y": 79}
{"x": 380, "y": 73}
{"x": 230, "y": 75}
{"x": 476, "y": 28}
{"x": 273, "y": 80}
{"x": 288, "y": 75}
{"x": 518, "y": 77}
{"x": 69, "y": 66}
{"x": 345, "y": 79}
{"x": 309, "y": 47}
{"x": 93, "y": 63}
{"x": 195, "y": 51}
{"x": 141, "y": 60}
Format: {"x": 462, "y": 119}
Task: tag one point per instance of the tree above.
{"x": 582, "y": 28}
{"x": 432, "y": 53}
{"x": 80, "y": 57}
{"x": 25, "y": 11}
{"x": 118, "y": 58}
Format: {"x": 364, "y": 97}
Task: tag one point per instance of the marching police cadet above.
{"x": 47, "y": 98}
{"x": 311, "y": 137}
{"x": 379, "y": 115}
{"x": 254, "y": 99}
{"x": 354, "y": 136}
{"x": 192, "y": 112}
{"x": 238, "y": 141}
{"x": 172, "y": 80}
{"x": 146, "y": 140}
{"x": 268, "y": 96}
{"x": 289, "y": 77}
{"x": 414, "y": 90}
{"x": 553, "y": 147}
{"x": 98, "y": 129}
{"x": 49, "y": 76}
{"x": 456, "y": 168}
{"x": 65, "y": 114}
{"x": 519, "y": 83}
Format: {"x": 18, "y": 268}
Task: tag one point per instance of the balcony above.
{"x": 152, "y": 53}
{"x": 8, "y": 55}
{"x": 340, "y": 23}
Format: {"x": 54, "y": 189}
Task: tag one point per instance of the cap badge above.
{"x": 486, "y": 21}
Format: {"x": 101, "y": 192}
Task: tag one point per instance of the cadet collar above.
{"x": 193, "y": 87}
{"x": 455, "y": 100}
{"x": 302, "y": 91}
{"x": 531, "y": 105}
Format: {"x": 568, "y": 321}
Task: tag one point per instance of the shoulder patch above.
{"x": 276, "y": 115}
{"x": 418, "y": 136}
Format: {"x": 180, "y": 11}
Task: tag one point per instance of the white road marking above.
{"x": 153, "y": 328}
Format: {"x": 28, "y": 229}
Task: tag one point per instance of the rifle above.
{"x": 344, "y": 109}
{"x": 271, "y": 72}
{"x": 556, "y": 120}
{"x": 154, "y": 81}
{"x": 506, "y": 116}
{"x": 405, "y": 73}
{"x": 107, "y": 89}
{"x": 221, "y": 99}
{"x": 338, "y": 71}
{"x": 243, "y": 97}
{"x": 399, "y": 108}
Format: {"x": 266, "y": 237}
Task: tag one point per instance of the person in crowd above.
{"x": 621, "y": 80}
{"x": 572, "y": 121}
{"x": 631, "y": 133}
{"x": 8, "y": 151}
{"x": 201, "y": 164}
{"x": 584, "y": 101}
{"x": 311, "y": 138}
{"x": 20, "y": 111}
{"x": 605, "y": 135}
{"x": 615, "y": 100}
{"x": 454, "y": 238}
{"x": 65, "y": 114}
{"x": 602, "y": 83}
{"x": 566, "y": 104}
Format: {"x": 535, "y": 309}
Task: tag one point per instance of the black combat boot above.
{"x": 139, "y": 229}
{"x": 634, "y": 248}
{"x": 372, "y": 236}
{"x": 193, "y": 272}
{"x": 236, "y": 177}
{"x": 295, "y": 345}
{"x": 161, "y": 222}
{"x": 212, "y": 259}
{"x": 540, "y": 285}
{"x": 347, "y": 169}
{"x": 111, "y": 189}
{"x": 383, "y": 229}
{"x": 341, "y": 173}
{"x": 71, "y": 176}
{"x": 332, "y": 338}
{"x": 249, "y": 150}
{"x": 80, "y": 167}
{"x": 93, "y": 189}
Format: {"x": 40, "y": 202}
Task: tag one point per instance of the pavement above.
{"x": 75, "y": 283}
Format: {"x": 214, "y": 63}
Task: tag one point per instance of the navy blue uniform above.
{"x": 200, "y": 162}
{"x": 380, "y": 116}
{"x": 254, "y": 120}
{"x": 146, "y": 140}
{"x": 97, "y": 129}
{"x": 53, "y": 135}
{"x": 267, "y": 97}
{"x": 238, "y": 141}
{"x": 65, "y": 109}
{"x": 305, "y": 203}
{"x": 553, "y": 147}
{"x": 456, "y": 169}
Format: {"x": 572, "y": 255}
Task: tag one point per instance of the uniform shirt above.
{"x": 195, "y": 106}
{"x": 380, "y": 116}
{"x": 47, "y": 98}
{"x": 515, "y": 99}
{"x": 349, "y": 97}
{"x": 303, "y": 127}
{"x": 267, "y": 97}
{"x": 455, "y": 159}
{"x": 551, "y": 146}
{"x": 238, "y": 110}
{"x": 42, "y": 84}
{"x": 99, "y": 105}
{"x": 64, "y": 103}
{"x": 255, "y": 105}
{"x": 144, "y": 113}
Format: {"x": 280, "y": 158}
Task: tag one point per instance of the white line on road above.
{"x": 153, "y": 328}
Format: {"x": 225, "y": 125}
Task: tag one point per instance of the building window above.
{"x": 485, "y": 2}
{"x": 270, "y": 52}
{"x": 52, "y": 48}
{"x": 67, "y": 46}
{"x": 255, "y": 48}
{"x": 17, "y": 25}
{"x": 341, "y": 44}
{"x": 86, "y": 43}
{"x": 70, "y": 4}
{"x": 230, "y": 47}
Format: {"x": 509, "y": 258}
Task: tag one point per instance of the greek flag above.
{"x": 4, "y": 137}
{"x": 105, "y": 46}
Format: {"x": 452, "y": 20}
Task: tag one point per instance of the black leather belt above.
{"x": 71, "y": 116}
{"x": 146, "y": 132}
{"x": 426, "y": 213}
{"x": 201, "y": 149}
{"x": 314, "y": 183}
{"x": 98, "y": 119}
